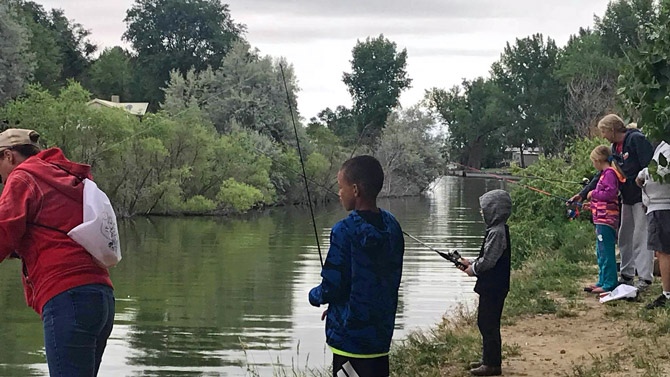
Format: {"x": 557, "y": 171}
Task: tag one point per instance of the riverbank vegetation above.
{"x": 219, "y": 136}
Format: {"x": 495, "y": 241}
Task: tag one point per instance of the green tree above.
{"x": 532, "y": 96}
{"x": 246, "y": 91}
{"x": 409, "y": 153}
{"x": 75, "y": 46}
{"x": 645, "y": 80}
{"x": 620, "y": 26}
{"x": 177, "y": 34}
{"x": 589, "y": 75}
{"x": 64, "y": 45}
{"x": 473, "y": 118}
{"x": 112, "y": 74}
{"x": 378, "y": 76}
{"x": 15, "y": 59}
{"x": 48, "y": 67}
{"x": 341, "y": 121}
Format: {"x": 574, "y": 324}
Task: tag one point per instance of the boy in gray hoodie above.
{"x": 492, "y": 269}
{"x": 656, "y": 197}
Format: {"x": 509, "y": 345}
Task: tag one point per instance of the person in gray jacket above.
{"x": 656, "y": 197}
{"x": 492, "y": 269}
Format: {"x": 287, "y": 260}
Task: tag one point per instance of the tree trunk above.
{"x": 522, "y": 162}
{"x": 475, "y": 154}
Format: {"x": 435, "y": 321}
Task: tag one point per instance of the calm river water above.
{"x": 214, "y": 297}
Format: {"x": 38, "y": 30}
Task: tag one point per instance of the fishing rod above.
{"x": 452, "y": 256}
{"x": 519, "y": 184}
{"x": 572, "y": 212}
{"x": 302, "y": 163}
{"x": 533, "y": 177}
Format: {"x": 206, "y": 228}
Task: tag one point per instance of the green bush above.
{"x": 539, "y": 222}
{"x": 239, "y": 196}
{"x": 198, "y": 203}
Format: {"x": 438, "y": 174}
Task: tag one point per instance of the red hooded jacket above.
{"x": 40, "y": 192}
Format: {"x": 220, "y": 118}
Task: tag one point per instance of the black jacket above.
{"x": 635, "y": 155}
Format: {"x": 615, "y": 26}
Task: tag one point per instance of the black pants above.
{"x": 377, "y": 367}
{"x": 488, "y": 320}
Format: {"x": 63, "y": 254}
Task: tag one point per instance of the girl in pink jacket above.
{"x": 605, "y": 209}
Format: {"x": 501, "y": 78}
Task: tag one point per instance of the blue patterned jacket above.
{"x": 361, "y": 277}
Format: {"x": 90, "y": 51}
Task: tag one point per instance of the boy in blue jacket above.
{"x": 361, "y": 275}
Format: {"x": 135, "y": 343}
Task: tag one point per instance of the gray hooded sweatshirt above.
{"x": 496, "y": 207}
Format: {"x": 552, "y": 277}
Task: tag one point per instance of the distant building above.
{"x": 135, "y": 108}
{"x": 530, "y": 155}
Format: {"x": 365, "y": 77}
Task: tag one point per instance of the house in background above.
{"x": 530, "y": 156}
{"x": 135, "y": 108}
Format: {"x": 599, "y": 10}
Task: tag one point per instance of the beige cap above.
{"x": 17, "y": 136}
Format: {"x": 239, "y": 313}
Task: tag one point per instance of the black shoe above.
{"x": 625, "y": 280}
{"x": 476, "y": 364}
{"x": 660, "y": 302}
{"x": 486, "y": 370}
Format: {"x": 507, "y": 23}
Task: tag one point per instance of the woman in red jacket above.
{"x": 42, "y": 201}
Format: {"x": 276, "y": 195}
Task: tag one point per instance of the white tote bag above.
{"x": 98, "y": 233}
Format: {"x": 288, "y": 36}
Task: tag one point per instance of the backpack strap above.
{"x": 80, "y": 179}
{"x": 48, "y": 227}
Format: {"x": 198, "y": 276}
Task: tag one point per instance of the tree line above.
{"x": 218, "y": 137}
{"x": 542, "y": 95}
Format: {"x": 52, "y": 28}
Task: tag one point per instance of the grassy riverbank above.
{"x": 549, "y": 282}
{"x": 550, "y": 326}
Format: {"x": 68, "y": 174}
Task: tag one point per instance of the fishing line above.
{"x": 302, "y": 163}
{"x": 452, "y": 256}
{"x": 521, "y": 184}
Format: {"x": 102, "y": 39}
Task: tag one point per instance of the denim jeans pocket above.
{"x": 88, "y": 309}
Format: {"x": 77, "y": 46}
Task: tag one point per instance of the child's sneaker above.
{"x": 660, "y": 302}
{"x": 642, "y": 285}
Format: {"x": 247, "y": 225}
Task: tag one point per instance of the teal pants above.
{"x": 605, "y": 250}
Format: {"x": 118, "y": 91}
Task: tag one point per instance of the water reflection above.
{"x": 206, "y": 297}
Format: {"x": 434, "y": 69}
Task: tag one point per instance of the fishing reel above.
{"x": 452, "y": 256}
{"x": 573, "y": 213}
{"x": 573, "y": 210}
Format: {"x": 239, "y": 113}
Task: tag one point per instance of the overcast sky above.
{"x": 446, "y": 40}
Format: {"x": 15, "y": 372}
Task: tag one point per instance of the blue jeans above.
{"x": 77, "y": 324}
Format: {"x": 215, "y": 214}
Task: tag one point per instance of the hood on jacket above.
{"x": 369, "y": 235}
{"x": 496, "y": 206}
{"x": 52, "y": 167}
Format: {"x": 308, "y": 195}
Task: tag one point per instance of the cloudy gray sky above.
{"x": 446, "y": 40}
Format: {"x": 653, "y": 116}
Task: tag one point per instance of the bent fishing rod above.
{"x": 520, "y": 184}
{"x": 572, "y": 213}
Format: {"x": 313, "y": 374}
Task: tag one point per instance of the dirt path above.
{"x": 551, "y": 346}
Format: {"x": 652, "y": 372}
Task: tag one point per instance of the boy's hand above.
{"x": 323, "y": 315}
{"x": 588, "y": 197}
{"x": 468, "y": 271}
{"x": 466, "y": 262}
